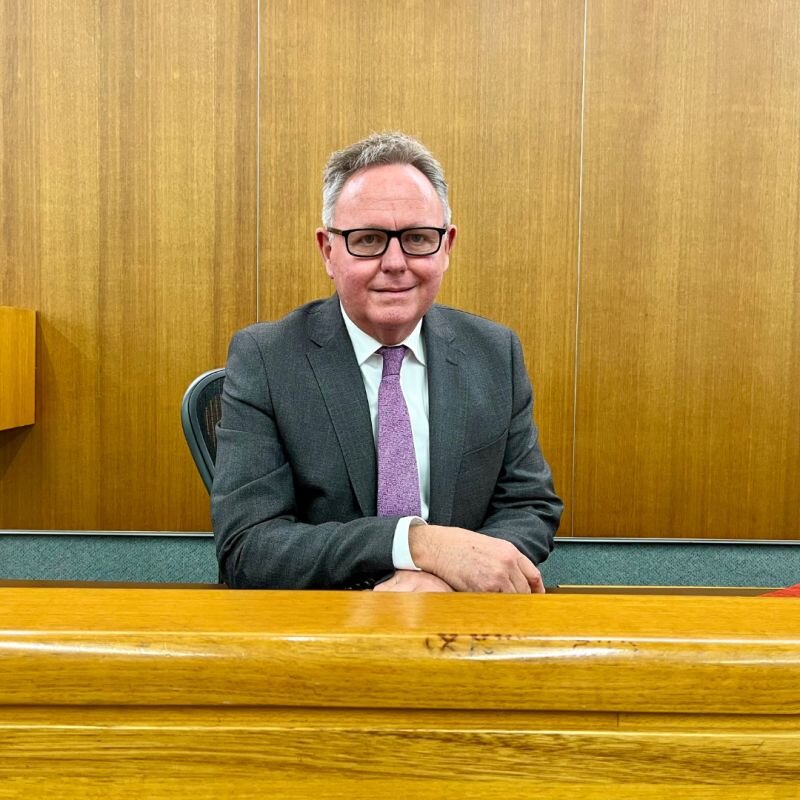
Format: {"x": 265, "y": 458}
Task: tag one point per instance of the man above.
{"x": 375, "y": 439}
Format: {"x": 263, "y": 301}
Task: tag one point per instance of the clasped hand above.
{"x": 407, "y": 580}
{"x": 465, "y": 561}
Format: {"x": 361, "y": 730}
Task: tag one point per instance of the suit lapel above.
{"x": 339, "y": 378}
{"x": 447, "y": 402}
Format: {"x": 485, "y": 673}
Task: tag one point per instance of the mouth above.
{"x": 394, "y": 289}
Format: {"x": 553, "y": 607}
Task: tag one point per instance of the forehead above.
{"x": 388, "y": 193}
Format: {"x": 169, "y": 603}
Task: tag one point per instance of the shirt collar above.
{"x": 365, "y": 346}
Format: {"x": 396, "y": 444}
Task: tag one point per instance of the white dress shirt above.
{"x": 414, "y": 383}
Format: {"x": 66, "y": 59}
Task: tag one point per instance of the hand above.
{"x": 473, "y": 562}
{"x": 406, "y": 580}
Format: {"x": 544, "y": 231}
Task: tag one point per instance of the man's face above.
{"x": 386, "y": 295}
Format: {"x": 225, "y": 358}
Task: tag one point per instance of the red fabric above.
{"x": 789, "y": 591}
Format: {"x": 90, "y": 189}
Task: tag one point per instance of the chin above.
{"x": 394, "y": 320}
{"x": 392, "y": 326}
{"x": 399, "y": 307}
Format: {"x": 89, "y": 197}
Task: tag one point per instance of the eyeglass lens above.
{"x": 414, "y": 242}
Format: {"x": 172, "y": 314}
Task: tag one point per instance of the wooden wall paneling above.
{"x": 131, "y": 164}
{"x": 18, "y": 175}
{"x": 688, "y": 418}
{"x": 494, "y": 90}
{"x": 51, "y": 163}
{"x": 185, "y": 147}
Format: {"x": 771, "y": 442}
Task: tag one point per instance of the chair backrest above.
{"x": 200, "y": 411}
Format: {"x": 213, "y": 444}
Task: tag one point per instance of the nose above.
{"x": 394, "y": 259}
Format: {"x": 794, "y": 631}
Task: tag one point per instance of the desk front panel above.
{"x": 159, "y": 692}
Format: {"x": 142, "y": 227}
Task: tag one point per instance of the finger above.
{"x": 399, "y": 586}
{"x": 519, "y": 581}
{"x": 532, "y": 575}
{"x": 502, "y": 584}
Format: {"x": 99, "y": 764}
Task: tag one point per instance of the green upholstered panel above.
{"x": 97, "y": 557}
{"x": 190, "y": 559}
{"x": 675, "y": 562}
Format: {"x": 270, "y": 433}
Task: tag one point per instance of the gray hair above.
{"x": 378, "y": 149}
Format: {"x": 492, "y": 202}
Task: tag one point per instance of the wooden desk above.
{"x": 17, "y": 367}
{"x": 171, "y": 693}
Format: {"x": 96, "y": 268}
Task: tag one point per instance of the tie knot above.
{"x": 392, "y": 359}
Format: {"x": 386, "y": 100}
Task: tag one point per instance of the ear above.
{"x": 449, "y": 243}
{"x": 450, "y": 239}
{"x": 324, "y": 245}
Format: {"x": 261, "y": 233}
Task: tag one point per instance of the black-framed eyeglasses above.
{"x": 373, "y": 242}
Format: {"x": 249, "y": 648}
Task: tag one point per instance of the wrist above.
{"x": 421, "y": 539}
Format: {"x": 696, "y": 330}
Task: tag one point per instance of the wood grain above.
{"x": 494, "y": 90}
{"x": 119, "y": 694}
{"x": 645, "y": 654}
{"x": 128, "y": 197}
{"x": 17, "y": 367}
{"x": 345, "y": 746}
{"x": 688, "y": 418}
{"x": 132, "y": 155}
{"x": 251, "y": 784}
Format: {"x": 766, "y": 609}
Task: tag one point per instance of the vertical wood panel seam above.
{"x": 258, "y": 161}
{"x": 573, "y": 532}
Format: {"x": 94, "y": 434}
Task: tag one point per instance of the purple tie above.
{"x": 398, "y": 480}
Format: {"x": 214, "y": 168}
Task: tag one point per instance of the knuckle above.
{"x": 506, "y": 551}
{"x": 493, "y": 581}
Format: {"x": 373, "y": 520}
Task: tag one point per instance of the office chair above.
{"x": 201, "y": 409}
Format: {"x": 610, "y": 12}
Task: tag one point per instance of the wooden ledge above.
{"x": 17, "y": 367}
{"x": 722, "y": 655}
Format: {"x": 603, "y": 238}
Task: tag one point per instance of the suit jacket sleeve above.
{"x": 263, "y": 539}
{"x": 524, "y": 508}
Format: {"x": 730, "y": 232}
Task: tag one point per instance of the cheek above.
{"x": 434, "y": 279}
{"x": 433, "y": 289}
{"x": 349, "y": 281}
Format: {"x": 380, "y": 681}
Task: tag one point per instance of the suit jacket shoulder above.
{"x": 317, "y": 321}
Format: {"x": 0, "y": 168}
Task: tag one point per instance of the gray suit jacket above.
{"x": 294, "y": 495}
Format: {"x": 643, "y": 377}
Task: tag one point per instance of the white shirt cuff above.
{"x": 401, "y": 553}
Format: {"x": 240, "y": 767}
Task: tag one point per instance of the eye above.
{"x": 420, "y": 241}
{"x": 366, "y": 238}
